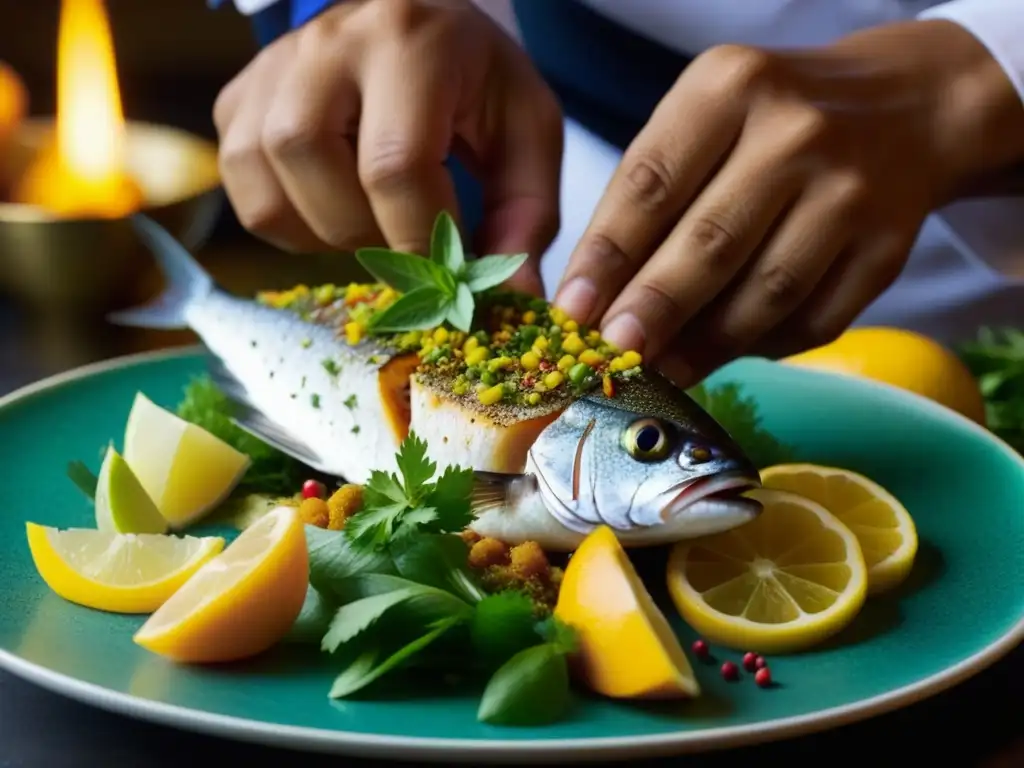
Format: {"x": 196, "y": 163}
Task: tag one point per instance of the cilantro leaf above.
{"x": 739, "y": 416}
{"x": 414, "y": 464}
{"x": 450, "y": 496}
{"x": 366, "y": 668}
{"x": 418, "y": 310}
{"x": 446, "y": 244}
{"x": 460, "y": 311}
{"x": 439, "y": 560}
{"x": 531, "y": 688}
{"x": 502, "y": 625}
{"x": 373, "y": 527}
{"x": 83, "y": 478}
{"x": 405, "y": 272}
{"x": 489, "y": 271}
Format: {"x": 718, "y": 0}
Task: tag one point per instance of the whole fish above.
{"x": 552, "y": 461}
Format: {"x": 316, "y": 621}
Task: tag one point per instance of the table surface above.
{"x": 977, "y": 723}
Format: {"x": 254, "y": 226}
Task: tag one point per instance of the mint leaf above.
{"x": 438, "y": 560}
{"x": 418, "y": 310}
{"x": 446, "y": 244}
{"x": 502, "y": 625}
{"x": 419, "y": 601}
{"x": 531, "y": 688}
{"x": 333, "y": 558}
{"x": 416, "y": 467}
{"x": 366, "y": 668}
{"x": 450, "y": 496}
{"x": 313, "y": 620}
{"x": 83, "y": 478}
{"x": 460, "y": 311}
{"x": 490, "y": 271}
{"x": 405, "y": 272}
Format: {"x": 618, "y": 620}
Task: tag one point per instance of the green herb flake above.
{"x": 314, "y": 400}
{"x": 306, "y": 343}
{"x": 329, "y": 365}
{"x": 350, "y": 402}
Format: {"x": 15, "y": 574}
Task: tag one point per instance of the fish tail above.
{"x": 186, "y": 281}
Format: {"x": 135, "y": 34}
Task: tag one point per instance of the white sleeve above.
{"x": 998, "y": 25}
{"x": 249, "y": 7}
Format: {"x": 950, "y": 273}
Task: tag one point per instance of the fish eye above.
{"x": 698, "y": 454}
{"x": 646, "y": 440}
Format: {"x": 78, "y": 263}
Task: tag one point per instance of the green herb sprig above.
{"x": 996, "y": 358}
{"x": 740, "y": 417}
{"x": 437, "y": 289}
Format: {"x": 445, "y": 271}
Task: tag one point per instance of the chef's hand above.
{"x": 773, "y": 195}
{"x": 333, "y": 137}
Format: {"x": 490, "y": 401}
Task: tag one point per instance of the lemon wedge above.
{"x": 781, "y": 583}
{"x": 184, "y": 469}
{"x": 122, "y": 504}
{"x": 239, "y": 603}
{"x": 626, "y": 647}
{"x": 884, "y": 528}
{"x": 119, "y": 573}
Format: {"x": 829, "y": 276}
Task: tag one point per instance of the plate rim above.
{"x": 354, "y": 743}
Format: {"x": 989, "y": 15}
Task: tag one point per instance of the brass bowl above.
{"x": 95, "y": 265}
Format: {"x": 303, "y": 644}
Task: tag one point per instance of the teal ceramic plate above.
{"x": 961, "y": 610}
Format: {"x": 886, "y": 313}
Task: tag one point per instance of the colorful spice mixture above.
{"x": 525, "y": 353}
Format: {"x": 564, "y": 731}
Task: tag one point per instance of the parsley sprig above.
{"x": 996, "y": 358}
{"x": 437, "y": 289}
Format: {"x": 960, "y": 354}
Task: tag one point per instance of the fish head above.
{"x": 648, "y": 456}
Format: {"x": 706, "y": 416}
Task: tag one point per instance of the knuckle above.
{"x": 850, "y": 188}
{"x": 606, "y": 255}
{"x": 659, "y": 303}
{"x": 738, "y": 66}
{"x": 781, "y": 284}
{"x": 648, "y": 181}
{"x": 261, "y": 215}
{"x": 391, "y": 16}
{"x": 389, "y": 164}
{"x": 287, "y": 134}
{"x": 809, "y": 126}
{"x": 715, "y": 241}
{"x": 236, "y": 153}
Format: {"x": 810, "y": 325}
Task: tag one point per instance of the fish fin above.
{"x": 497, "y": 490}
{"x": 259, "y": 426}
{"x": 186, "y": 281}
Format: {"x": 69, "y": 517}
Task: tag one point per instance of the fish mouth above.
{"x": 721, "y": 490}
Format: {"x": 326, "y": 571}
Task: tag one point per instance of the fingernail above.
{"x": 625, "y": 332}
{"x": 577, "y": 298}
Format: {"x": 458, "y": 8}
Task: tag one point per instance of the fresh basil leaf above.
{"x": 417, "y": 310}
{"x": 332, "y": 559}
{"x": 438, "y": 560}
{"x": 366, "y": 669}
{"x": 423, "y": 604}
{"x": 531, "y": 688}
{"x": 502, "y": 625}
{"x": 83, "y": 478}
{"x": 446, "y": 244}
{"x": 460, "y": 311}
{"x": 404, "y": 272}
{"x": 314, "y": 619}
{"x": 489, "y": 271}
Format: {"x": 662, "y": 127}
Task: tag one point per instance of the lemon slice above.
{"x": 884, "y": 528}
{"x": 120, "y": 573}
{"x": 122, "y": 504}
{"x": 184, "y": 469}
{"x": 239, "y": 603}
{"x": 781, "y": 583}
{"x": 626, "y": 647}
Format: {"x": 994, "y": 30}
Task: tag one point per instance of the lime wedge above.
{"x": 122, "y": 504}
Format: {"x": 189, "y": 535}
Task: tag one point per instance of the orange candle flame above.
{"x": 84, "y": 173}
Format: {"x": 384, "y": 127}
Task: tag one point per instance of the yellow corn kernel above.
{"x": 573, "y": 344}
{"x": 471, "y": 343}
{"x": 384, "y": 298}
{"x": 540, "y": 343}
{"x": 491, "y": 395}
{"x": 553, "y": 379}
{"x": 441, "y": 334}
{"x": 530, "y": 361}
{"x": 533, "y": 398}
{"x": 477, "y": 356}
{"x": 529, "y": 317}
{"x": 499, "y": 363}
{"x": 353, "y": 332}
{"x": 565, "y": 362}
{"x": 631, "y": 359}
{"x": 591, "y": 357}
{"x": 324, "y": 294}
{"x": 558, "y": 315}
{"x": 607, "y": 386}
{"x": 570, "y": 326}
{"x": 593, "y": 337}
